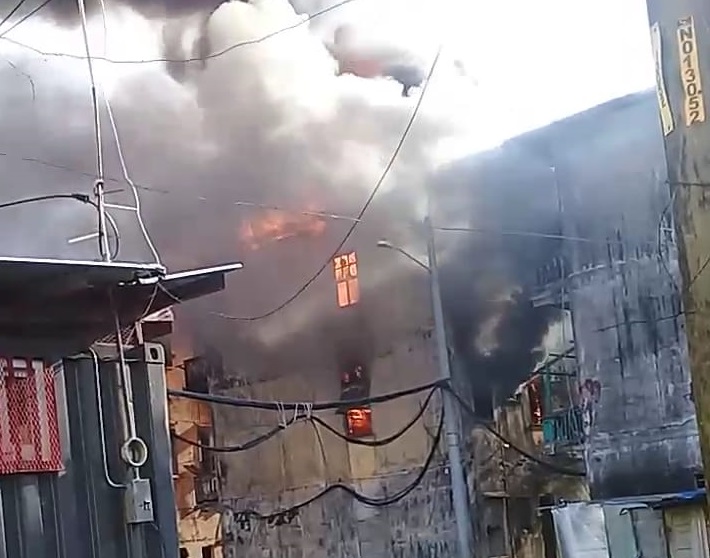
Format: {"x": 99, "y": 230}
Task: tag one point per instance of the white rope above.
{"x": 122, "y": 159}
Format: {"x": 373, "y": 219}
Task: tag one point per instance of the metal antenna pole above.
{"x": 103, "y": 237}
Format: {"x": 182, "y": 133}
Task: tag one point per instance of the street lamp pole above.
{"x": 452, "y": 421}
{"x": 452, "y": 424}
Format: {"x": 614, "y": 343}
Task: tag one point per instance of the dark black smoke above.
{"x": 555, "y": 180}
{"x": 488, "y": 276}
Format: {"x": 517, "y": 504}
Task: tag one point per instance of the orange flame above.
{"x": 361, "y": 67}
{"x": 275, "y": 225}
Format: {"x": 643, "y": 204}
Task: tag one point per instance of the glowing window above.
{"x": 346, "y": 279}
{"x": 535, "y": 399}
{"x": 358, "y": 422}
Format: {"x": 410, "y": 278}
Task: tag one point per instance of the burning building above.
{"x": 370, "y": 338}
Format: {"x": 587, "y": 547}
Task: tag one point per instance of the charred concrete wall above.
{"x": 389, "y": 331}
{"x": 509, "y": 488}
{"x": 641, "y": 434}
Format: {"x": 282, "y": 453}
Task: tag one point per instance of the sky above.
{"x": 524, "y": 63}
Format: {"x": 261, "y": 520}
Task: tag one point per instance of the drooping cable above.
{"x": 382, "y": 441}
{"x": 134, "y": 450}
{"x": 553, "y": 467}
{"x": 362, "y": 498}
{"x": 122, "y": 158}
{"x": 246, "y": 446}
{"x": 260, "y": 439}
{"x": 315, "y": 406}
{"x": 102, "y": 427}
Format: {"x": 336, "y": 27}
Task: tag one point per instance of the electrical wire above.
{"x": 129, "y": 180}
{"x": 382, "y": 441}
{"x": 102, "y": 427}
{"x": 12, "y": 12}
{"x": 246, "y": 446}
{"x": 252, "y": 443}
{"x": 83, "y": 198}
{"x": 553, "y": 467}
{"x": 316, "y": 406}
{"x": 306, "y": 212}
{"x": 99, "y": 184}
{"x": 362, "y": 498}
{"x": 121, "y": 156}
{"x": 302, "y": 21}
{"x": 24, "y": 18}
{"x": 362, "y": 211}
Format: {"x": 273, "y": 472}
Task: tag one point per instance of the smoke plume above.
{"x": 355, "y": 52}
{"x": 277, "y": 124}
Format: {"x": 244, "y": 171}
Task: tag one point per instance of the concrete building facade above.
{"x": 618, "y": 270}
{"x": 386, "y": 336}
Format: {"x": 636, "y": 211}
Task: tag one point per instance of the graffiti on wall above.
{"x": 589, "y": 395}
{"x": 243, "y": 521}
{"x": 423, "y": 548}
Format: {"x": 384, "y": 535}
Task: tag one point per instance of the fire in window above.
{"x": 346, "y": 279}
{"x": 535, "y": 399}
{"x": 355, "y": 385}
{"x": 358, "y": 422}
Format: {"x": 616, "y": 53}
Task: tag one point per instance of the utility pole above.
{"x": 452, "y": 424}
{"x": 680, "y": 33}
{"x": 452, "y": 415}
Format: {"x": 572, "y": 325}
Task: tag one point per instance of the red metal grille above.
{"x": 29, "y": 429}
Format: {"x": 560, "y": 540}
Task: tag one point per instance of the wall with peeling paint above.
{"x": 419, "y": 526}
{"x": 398, "y": 351}
{"x": 509, "y": 487}
{"x": 629, "y": 329}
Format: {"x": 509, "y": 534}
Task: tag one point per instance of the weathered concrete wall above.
{"x": 419, "y": 525}
{"x": 508, "y": 486}
{"x": 629, "y": 330}
{"x": 391, "y": 333}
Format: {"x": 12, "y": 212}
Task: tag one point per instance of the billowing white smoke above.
{"x": 271, "y": 123}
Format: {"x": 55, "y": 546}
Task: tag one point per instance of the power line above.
{"x": 83, "y": 198}
{"x": 12, "y": 12}
{"x": 24, "y": 201}
{"x": 246, "y": 446}
{"x": 293, "y": 406}
{"x": 24, "y": 18}
{"x": 362, "y": 498}
{"x": 503, "y": 232}
{"x": 382, "y": 441}
{"x": 315, "y": 420}
{"x": 249, "y": 42}
{"x": 466, "y": 407}
{"x": 362, "y": 211}
{"x": 301, "y": 211}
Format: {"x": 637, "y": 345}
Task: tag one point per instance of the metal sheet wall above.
{"x": 76, "y": 514}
